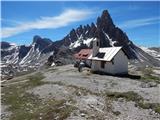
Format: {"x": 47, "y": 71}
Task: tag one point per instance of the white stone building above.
{"x": 111, "y": 60}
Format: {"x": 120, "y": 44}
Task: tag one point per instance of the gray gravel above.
{"x": 91, "y": 106}
{"x": 97, "y": 83}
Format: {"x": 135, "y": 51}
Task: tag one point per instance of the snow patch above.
{"x": 87, "y": 41}
{"x": 86, "y": 32}
{"x": 110, "y": 40}
{"x": 80, "y": 40}
{"x": 10, "y": 48}
{"x": 75, "y": 44}
{"x": 153, "y": 53}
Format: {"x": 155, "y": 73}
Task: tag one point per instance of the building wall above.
{"x": 96, "y": 66}
{"x": 121, "y": 63}
{"x": 88, "y": 62}
{"x": 118, "y": 66}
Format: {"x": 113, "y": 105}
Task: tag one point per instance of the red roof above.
{"x": 83, "y": 54}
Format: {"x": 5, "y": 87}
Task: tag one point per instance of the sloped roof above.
{"x": 83, "y": 54}
{"x": 109, "y": 53}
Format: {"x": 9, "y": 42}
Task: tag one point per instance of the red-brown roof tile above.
{"x": 83, "y": 54}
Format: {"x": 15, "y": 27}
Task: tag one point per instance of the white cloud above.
{"x": 64, "y": 19}
{"x": 139, "y": 22}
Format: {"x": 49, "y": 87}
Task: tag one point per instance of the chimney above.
{"x": 96, "y": 45}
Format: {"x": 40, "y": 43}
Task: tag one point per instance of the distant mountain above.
{"x": 153, "y": 51}
{"x": 81, "y": 37}
{"x": 13, "y": 53}
{"x": 24, "y": 54}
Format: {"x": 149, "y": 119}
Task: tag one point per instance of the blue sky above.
{"x": 22, "y": 20}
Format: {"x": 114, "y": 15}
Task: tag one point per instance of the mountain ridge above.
{"x": 81, "y": 37}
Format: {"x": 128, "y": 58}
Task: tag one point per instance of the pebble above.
{"x": 82, "y": 115}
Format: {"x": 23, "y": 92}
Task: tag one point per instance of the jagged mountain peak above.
{"x": 38, "y": 40}
{"x": 105, "y": 21}
{"x": 5, "y": 45}
{"x": 79, "y": 38}
{"x": 93, "y": 25}
{"x": 106, "y": 15}
{"x": 40, "y": 43}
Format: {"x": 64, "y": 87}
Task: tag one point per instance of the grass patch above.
{"x": 153, "y": 106}
{"x": 129, "y": 96}
{"x": 116, "y": 113}
{"x": 24, "y": 72}
{"x": 56, "y": 109}
{"x": 52, "y": 70}
{"x": 35, "y": 80}
{"x": 58, "y": 83}
{"x": 148, "y": 77}
{"x": 132, "y": 96}
{"x": 78, "y": 90}
{"x": 27, "y": 106}
{"x": 20, "y": 103}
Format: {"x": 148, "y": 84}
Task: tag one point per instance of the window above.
{"x": 113, "y": 61}
{"x": 97, "y": 43}
{"x": 103, "y": 64}
{"x": 100, "y": 55}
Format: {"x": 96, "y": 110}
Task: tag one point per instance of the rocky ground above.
{"x": 64, "y": 93}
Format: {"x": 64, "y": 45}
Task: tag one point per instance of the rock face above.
{"x": 109, "y": 35}
{"x": 105, "y": 30}
{"x": 41, "y": 43}
{"x": 13, "y": 53}
{"x": 5, "y": 45}
{"x": 81, "y": 37}
{"x": 25, "y": 55}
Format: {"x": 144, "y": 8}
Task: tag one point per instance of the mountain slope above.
{"x": 24, "y": 55}
{"x": 104, "y": 29}
{"x": 109, "y": 35}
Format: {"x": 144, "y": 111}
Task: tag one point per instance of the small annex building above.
{"x": 110, "y": 60}
{"x": 83, "y": 55}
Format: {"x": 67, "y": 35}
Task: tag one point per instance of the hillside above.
{"x": 64, "y": 93}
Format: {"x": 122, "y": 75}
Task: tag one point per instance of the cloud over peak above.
{"x": 65, "y": 18}
{"x": 139, "y": 22}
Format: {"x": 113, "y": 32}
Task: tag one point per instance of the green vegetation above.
{"x": 20, "y": 102}
{"x": 151, "y": 79}
{"x": 116, "y": 112}
{"x": 35, "y": 80}
{"x": 77, "y": 90}
{"x": 129, "y": 96}
{"x": 148, "y": 77}
{"x": 52, "y": 69}
{"x": 58, "y": 83}
{"x": 24, "y": 72}
{"x": 153, "y": 106}
{"x": 80, "y": 90}
{"x": 27, "y": 106}
{"x": 55, "y": 109}
{"x": 132, "y": 96}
